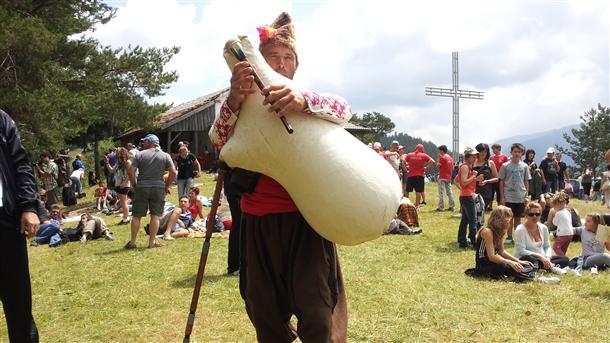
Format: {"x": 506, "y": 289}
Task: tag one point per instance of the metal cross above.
{"x": 456, "y": 94}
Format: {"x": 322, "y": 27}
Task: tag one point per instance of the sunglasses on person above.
{"x": 534, "y": 214}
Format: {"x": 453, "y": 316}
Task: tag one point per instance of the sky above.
{"x": 540, "y": 64}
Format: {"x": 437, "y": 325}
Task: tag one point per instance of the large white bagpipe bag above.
{"x": 345, "y": 190}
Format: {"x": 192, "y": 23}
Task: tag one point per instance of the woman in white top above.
{"x": 532, "y": 242}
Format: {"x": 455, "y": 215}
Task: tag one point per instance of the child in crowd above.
{"x": 563, "y": 220}
{"x": 491, "y": 258}
{"x": 514, "y": 178}
{"x": 594, "y": 247}
{"x": 101, "y": 194}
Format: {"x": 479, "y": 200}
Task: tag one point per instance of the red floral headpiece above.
{"x": 265, "y": 33}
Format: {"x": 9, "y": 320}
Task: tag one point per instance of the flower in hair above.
{"x": 265, "y": 33}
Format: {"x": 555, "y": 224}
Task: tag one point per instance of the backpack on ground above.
{"x": 68, "y": 197}
{"x": 407, "y": 212}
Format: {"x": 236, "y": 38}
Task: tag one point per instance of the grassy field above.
{"x": 399, "y": 288}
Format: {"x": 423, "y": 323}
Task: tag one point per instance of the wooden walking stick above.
{"x": 204, "y": 251}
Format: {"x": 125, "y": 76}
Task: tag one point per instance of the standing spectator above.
{"x": 276, "y": 240}
{"x": 47, "y": 169}
{"x": 499, "y": 159}
{"x": 19, "y": 205}
{"x": 150, "y": 189}
{"x": 417, "y": 162}
{"x": 562, "y": 173}
{"x": 378, "y": 149}
{"x": 393, "y": 157}
{"x": 120, "y": 171}
{"x": 486, "y": 167}
{"x": 587, "y": 181}
{"x": 605, "y": 187}
{"x": 105, "y": 171}
{"x": 133, "y": 150}
{"x": 537, "y": 183}
{"x": 550, "y": 170}
{"x": 111, "y": 159}
{"x": 467, "y": 179}
{"x": 514, "y": 186}
{"x": 188, "y": 169}
{"x": 445, "y": 165}
{"x": 77, "y": 178}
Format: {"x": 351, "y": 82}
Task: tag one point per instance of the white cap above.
{"x": 550, "y": 150}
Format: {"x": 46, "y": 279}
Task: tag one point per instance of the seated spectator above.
{"x": 594, "y": 251}
{"x": 224, "y": 212}
{"x": 175, "y": 223}
{"x": 49, "y": 226}
{"x": 545, "y": 202}
{"x": 550, "y": 213}
{"x": 195, "y": 204}
{"x": 93, "y": 228}
{"x": 101, "y": 195}
{"x": 532, "y": 242}
{"x": 491, "y": 258}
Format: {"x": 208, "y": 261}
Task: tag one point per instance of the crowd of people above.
{"x": 285, "y": 267}
{"x": 522, "y": 189}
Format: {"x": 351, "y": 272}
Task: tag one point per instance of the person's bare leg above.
{"x": 173, "y": 219}
{"x": 154, "y": 227}
{"x": 135, "y": 227}
{"x": 124, "y": 207}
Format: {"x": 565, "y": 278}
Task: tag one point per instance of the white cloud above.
{"x": 541, "y": 63}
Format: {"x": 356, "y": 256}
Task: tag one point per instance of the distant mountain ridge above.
{"x": 540, "y": 142}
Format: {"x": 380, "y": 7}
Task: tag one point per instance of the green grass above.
{"x": 399, "y": 288}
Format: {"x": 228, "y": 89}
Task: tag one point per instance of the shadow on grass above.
{"x": 189, "y": 282}
{"x": 123, "y": 250}
{"x": 600, "y": 294}
{"x": 453, "y": 247}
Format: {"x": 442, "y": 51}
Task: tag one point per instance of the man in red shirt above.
{"x": 417, "y": 162}
{"x": 287, "y": 268}
{"x": 445, "y": 166}
{"x": 499, "y": 159}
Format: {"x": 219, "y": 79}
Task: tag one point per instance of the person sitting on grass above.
{"x": 532, "y": 242}
{"x": 593, "y": 249}
{"x": 101, "y": 196}
{"x": 195, "y": 204}
{"x": 93, "y": 228}
{"x": 49, "y": 226}
{"x": 175, "y": 223}
{"x": 490, "y": 257}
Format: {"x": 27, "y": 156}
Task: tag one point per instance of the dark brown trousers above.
{"x": 288, "y": 269}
